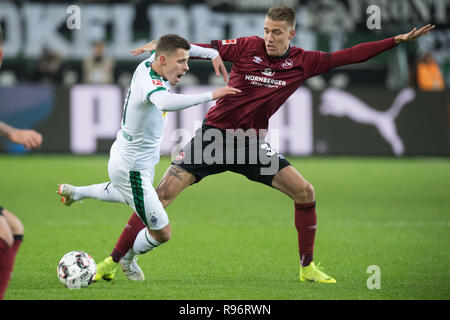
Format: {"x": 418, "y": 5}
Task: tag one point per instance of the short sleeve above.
{"x": 151, "y": 83}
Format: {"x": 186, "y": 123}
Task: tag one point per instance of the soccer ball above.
{"x": 76, "y": 269}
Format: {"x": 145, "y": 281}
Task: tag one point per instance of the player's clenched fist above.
{"x": 223, "y": 91}
{"x": 30, "y": 139}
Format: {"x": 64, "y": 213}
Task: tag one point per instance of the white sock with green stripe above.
{"x": 102, "y": 191}
{"x": 144, "y": 242}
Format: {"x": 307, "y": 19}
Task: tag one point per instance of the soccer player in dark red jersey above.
{"x": 11, "y": 228}
{"x": 267, "y": 71}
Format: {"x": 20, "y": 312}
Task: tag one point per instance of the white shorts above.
{"x": 136, "y": 186}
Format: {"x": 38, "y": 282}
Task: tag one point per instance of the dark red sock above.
{"x": 126, "y": 239}
{"x": 306, "y": 224}
{"x": 7, "y": 258}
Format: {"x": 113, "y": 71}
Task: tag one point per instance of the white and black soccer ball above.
{"x": 76, "y": 269}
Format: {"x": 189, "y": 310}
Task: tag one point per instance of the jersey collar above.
{"x": 155, "y": 74}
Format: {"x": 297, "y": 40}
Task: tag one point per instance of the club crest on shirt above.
{"x": 268, "y": 72}
{"x": 229, "y": 41}
{"x": 287, "y": 64}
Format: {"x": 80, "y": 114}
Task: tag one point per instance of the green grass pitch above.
{"x": 235, "y": 239}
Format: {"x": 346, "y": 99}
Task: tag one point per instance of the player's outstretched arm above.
{"x": 30, "y": 139}
{"x": 367, "y": 50}
{"x": 414, "y": 34}
{"x": 166, "y": 101}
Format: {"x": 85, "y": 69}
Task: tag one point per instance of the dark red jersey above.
{"x": 267, "y": 82}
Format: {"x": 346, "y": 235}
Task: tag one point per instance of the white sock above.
{"x": 144, "y": 243}
{"x": 102, "y": 191}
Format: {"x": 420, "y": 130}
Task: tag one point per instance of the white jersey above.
{"x": 143, "y": 121}
{"x": 138, "y": 140}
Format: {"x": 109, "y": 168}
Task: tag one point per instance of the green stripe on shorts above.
{"x": 138, "y": 194}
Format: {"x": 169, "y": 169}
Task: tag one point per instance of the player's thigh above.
{"x": 289, "y": 181}
{"x": 14, "y": 223}
{"x": 175, "y": 180}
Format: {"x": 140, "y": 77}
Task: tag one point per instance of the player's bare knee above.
{"x": 18, "y": 228}
{"x": 162, "y": 235}
{"x": 304, "y": 194}
{"x": 14, "y": 223}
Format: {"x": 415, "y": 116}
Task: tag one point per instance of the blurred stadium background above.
{"x": 66, "y": 69}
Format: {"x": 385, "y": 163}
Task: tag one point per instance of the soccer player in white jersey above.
{"x": 135, "y": 152}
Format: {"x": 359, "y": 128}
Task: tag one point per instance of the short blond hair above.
{"x": 282, "y": 14}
